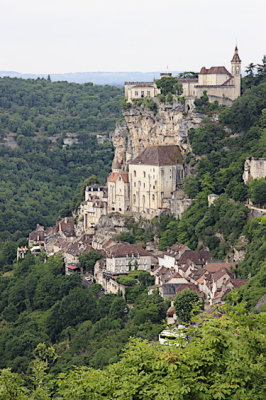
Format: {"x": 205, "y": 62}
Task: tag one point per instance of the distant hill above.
{"x": 97, "y": 78}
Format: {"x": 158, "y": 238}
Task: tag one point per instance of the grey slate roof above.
{"x": 159, "y": 155}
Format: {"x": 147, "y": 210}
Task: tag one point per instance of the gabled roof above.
{"x": 197, "y": 257}
{"x": 115, "y": 175}
{"x": 215, "y": 266}
{"x": 237, "y": 283}
{"x": 126, "y": 249}
{"x": 220, "y": 70}
{"x": 159, "y": 155}
{"x": 219, "y": 274}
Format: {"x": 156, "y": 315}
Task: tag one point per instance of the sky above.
{"x": 59, "y": 36}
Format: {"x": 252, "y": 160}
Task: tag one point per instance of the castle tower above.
{"x": 236, "y": 72}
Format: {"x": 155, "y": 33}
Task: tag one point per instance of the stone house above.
{"x": 172, "y": 255}
{"x": 65, "y": 228}
{"x": 37, "y": 236}
{"x": 94, "y": 206}
{"x": 123, "y": 257}
{"x": 118, "y": 191}
{"x": 137, "y": 90}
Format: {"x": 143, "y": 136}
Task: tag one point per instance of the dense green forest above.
{"x": 31, "y": 107}
{"x": 40, "y": 176}
{"x": 39, "y": 303}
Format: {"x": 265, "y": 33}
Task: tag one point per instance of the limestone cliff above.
{"x": 141, "y": 128}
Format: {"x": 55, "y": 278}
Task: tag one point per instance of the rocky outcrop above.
{"x": 143, "y": 127}
{"x": 108, "y": 228}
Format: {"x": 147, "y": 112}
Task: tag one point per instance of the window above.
{"x": 142, "y": 93}
{"x": 135, "y": 173}
{"x": 136, "y": 93}
{"x": 143, "y": 200}
{"x": 134, "y": 184}
{"x": 144, "y": 185}
{"x": 148, "y": 93}
{"x": 134, "y": 198}
{"x": 153, "y": 197}
{"x": 144, "y": 174}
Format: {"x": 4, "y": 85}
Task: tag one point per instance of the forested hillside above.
{"x": 29, "y": 107}
{"x": 40, "y": 176}
{"x": 38, "y": 303}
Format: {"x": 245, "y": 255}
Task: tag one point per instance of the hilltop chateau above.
{"x": 220, "y": 84}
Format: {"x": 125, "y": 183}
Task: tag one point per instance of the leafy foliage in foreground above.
{"x": 223, "y": 360}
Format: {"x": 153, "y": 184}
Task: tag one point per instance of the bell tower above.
{"x": 236, "y": 63}
{"x": 236, "y": 72}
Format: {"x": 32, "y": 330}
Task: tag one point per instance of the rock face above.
{"x": 142, "y": 128}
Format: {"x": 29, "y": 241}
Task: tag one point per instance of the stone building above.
{"x": 219, "y": 83}
{"x": 148, "y": 187}
{"x": 153, "y": 177}
{"x": 254, "y": 169}
{"x": 94, "y": 206}
{"x": 123, "y": 257}
{"x": 118, "y": 191}
{"x": 137, "y": 90}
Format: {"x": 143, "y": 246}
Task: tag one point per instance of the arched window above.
{"x": 143, "y": 200}
{"x": 144, "y": 174}
{"x": 134, "y": 198}
{"x": 135, "y": 173}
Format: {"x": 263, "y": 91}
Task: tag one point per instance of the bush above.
{"x": 126, "y": 280}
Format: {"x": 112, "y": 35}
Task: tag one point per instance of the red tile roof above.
{"x": 237, "y": 283}
{"x": 115, "y": 175}
{"x": 215, "y": 266}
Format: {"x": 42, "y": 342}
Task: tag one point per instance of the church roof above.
{"x": 236, "y": 57}
{"x": 159, "y": 155}
{"x": 114, "y": 176}
{"x": 221, "y": 70}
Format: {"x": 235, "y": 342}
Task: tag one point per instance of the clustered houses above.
{"x": 61, "y": 240}
{"x": 180, "y": 268}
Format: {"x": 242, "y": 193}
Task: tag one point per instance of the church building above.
{"x": 149, "y": 185}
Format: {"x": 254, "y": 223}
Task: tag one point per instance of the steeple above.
{"x": 236, "y": 63}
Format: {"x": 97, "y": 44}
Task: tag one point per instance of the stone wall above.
{"x": 254, "y": 169}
